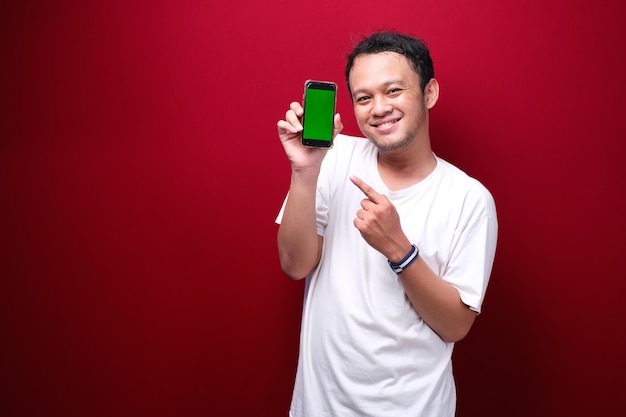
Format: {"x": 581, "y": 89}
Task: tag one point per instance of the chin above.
{"x": 391, "y": 144}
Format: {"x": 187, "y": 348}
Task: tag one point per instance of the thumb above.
{"x": 337, "y": 125}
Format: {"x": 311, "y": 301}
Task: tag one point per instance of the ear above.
{"x": 431, "y": 93}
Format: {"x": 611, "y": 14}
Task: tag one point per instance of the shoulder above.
{"x": 347, "y": 142}
{"x": 346, "y": 148}
{"x": 471, "y": 190}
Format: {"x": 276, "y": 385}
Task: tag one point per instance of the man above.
{"x": 395, "y": 243}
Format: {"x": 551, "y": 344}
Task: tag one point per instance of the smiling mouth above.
{"x": 386, "y": 124}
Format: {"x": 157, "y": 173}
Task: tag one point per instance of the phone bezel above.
{"x": 318, "y": 85}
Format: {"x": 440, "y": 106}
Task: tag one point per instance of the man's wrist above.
{"x": 404, "y": 263}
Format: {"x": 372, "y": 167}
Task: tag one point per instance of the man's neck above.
{"x": 401, "y": 170}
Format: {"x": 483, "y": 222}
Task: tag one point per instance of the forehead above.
{"x": 380, "y": 68}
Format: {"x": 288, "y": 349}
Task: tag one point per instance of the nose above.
{"x": 380, "y": 105}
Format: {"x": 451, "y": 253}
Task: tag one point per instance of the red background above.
{"x": 141, "y": 173}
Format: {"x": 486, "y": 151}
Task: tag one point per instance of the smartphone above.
{"x": 319, "y": 102}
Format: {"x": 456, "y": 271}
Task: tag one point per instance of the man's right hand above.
{"x": 290, "y": 134}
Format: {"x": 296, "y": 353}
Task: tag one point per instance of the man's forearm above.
{"x": 437, "y": 302}
{"x": 299, "y": 246}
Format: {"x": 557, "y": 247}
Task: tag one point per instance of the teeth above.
{"x": 387, "y": 124}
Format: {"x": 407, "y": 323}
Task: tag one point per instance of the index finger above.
{"x": 367, "y": 190}
{"x": 292, "y": 122}
{"x": 297, "y": 108}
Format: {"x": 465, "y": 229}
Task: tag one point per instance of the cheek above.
{"x": 361, "y": 119}
{"x": 361, "y": 115}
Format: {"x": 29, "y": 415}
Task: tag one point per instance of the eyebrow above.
{"x": 385, "y": 84}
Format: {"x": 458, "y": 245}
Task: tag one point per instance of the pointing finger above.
{"x": 367, "y": 190}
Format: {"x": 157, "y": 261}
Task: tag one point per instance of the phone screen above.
{"x": 319, "y": 112}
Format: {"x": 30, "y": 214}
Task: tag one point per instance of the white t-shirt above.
{"x": 364, "y": 351}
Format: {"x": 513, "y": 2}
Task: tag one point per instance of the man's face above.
{"x": 388, "y": 102}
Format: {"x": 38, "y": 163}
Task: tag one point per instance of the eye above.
{"x": 362, "y": 99}
{"x": 394, "y": 91}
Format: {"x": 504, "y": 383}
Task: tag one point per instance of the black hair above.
{"x": 414, "y": 49}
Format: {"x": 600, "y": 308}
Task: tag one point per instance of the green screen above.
{"x": 318, "y": 117}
